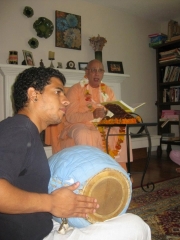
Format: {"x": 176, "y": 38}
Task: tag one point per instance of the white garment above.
{"x": 124, "y": 227}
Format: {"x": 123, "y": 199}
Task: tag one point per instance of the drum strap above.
{"x": 64, "y": 227}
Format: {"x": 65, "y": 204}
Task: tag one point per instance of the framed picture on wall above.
{"x": 67, "y": 30}
{"x": 115, "y": 67}
{"x": 28, "y": 58}
{"x": 82, "y": 65}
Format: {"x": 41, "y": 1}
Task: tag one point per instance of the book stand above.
{"x": 141, "y": 133}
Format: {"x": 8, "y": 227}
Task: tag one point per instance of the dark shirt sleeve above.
{"x": 14, "y": 146}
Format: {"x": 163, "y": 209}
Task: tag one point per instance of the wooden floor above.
{"x": 159, "y": 169}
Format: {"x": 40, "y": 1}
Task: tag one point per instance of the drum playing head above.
{"x": 112, "y": 191}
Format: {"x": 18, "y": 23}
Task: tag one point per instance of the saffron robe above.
{"x": 79, "y": 127}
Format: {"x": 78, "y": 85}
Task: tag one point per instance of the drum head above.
{"x": 111, "y": 188}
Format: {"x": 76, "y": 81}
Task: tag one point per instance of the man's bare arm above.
{"x": 61, "y": 203}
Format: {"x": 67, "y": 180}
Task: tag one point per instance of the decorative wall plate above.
{"x": 44, "y": 27}
{"x": 28, "y": 12}
{"x": 33, "y": 43}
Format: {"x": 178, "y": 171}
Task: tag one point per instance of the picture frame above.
{"x": 82, "y": 65}
{"x": 28, "y": 58}
{"x": 59, "y": 65}
{"x": 115, "y": 67}
{"x": 67, "y": 30}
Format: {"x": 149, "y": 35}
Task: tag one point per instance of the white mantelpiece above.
{"x": 8, "y": 73}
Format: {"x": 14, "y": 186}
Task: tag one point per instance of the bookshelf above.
{"x": 168, "y": 89}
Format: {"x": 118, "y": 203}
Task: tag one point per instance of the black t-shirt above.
{"x": 24, "y": 164}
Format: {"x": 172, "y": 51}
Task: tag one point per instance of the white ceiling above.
{"x": 154, "y": 10}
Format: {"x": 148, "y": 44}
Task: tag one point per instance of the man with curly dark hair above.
{"x": 26, "y": 208}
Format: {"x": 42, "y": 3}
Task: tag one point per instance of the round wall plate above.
{"x": 44, "y": 27}
{"x": 28, "y": 12}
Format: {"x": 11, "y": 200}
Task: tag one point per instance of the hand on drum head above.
{"x": 65, "y": 203}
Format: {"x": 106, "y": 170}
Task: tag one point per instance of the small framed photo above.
{"x": 59, "y": 65}
{"x": 115, "y": 67}
{"x": 82, "y": 65}
{"x": 28, "y": 58}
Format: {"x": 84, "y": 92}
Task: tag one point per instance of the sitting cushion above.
{"x": 175, "y": 156}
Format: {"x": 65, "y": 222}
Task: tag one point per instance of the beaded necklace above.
{"x": 103, "y": 98}
{"x": 112, "y": 152}
{"x": 88, "y": 96}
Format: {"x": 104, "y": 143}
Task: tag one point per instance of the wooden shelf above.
{"x": 160, "y": 67}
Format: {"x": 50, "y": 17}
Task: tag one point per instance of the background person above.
{"x": 85, "y": 110}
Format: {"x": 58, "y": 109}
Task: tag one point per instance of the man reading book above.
{"x": 85, "y": 110}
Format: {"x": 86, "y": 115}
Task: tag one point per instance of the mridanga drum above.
{"x": 100, "y": 176}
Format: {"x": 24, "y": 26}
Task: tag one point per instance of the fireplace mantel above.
{"x": 9, "y": 72}
{"x": 10, "y": 69}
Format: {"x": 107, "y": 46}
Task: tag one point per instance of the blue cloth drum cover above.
{"x": 100, "y": 176}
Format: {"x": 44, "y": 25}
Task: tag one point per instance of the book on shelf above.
{"x": 168, "y": 112}
{"x": 167, "y": 73}
{"x": 154, "y": 44}
{"x": 168, "y": 134}
{"x": 171, "y": 115}
{"x": 170, "y": 138}
{"x": 174, "y": 59}
{"x": 177, "y": 112}
{"x": 170, "y": 57}
{"x": 177, "y": 94}
{"x": 169, "y": 118}
{"x": 172, "y": 51}
{"x": 175, "y": 38}
{"x": 166, "y": 95}
{"x": 156, "y": 34}
{"x": 171, "y": 95}
{"x": 171, "y": 74}
{"x": 124, "y": 105}
{"x": 174, "y": 76}
{"x": 174, "y": 94}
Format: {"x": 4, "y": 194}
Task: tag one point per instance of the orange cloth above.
{"x": 78, "y": 111}
{"x": 52, "y": 133}
{"x": 52, "y": 136}
{"x": 78, "y": 126}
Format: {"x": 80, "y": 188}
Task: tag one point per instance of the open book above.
{"x": 124, "y": 105}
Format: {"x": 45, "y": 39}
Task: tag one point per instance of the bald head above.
{"x": 95, "y": 73}
{"x": 95, "y": 62}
